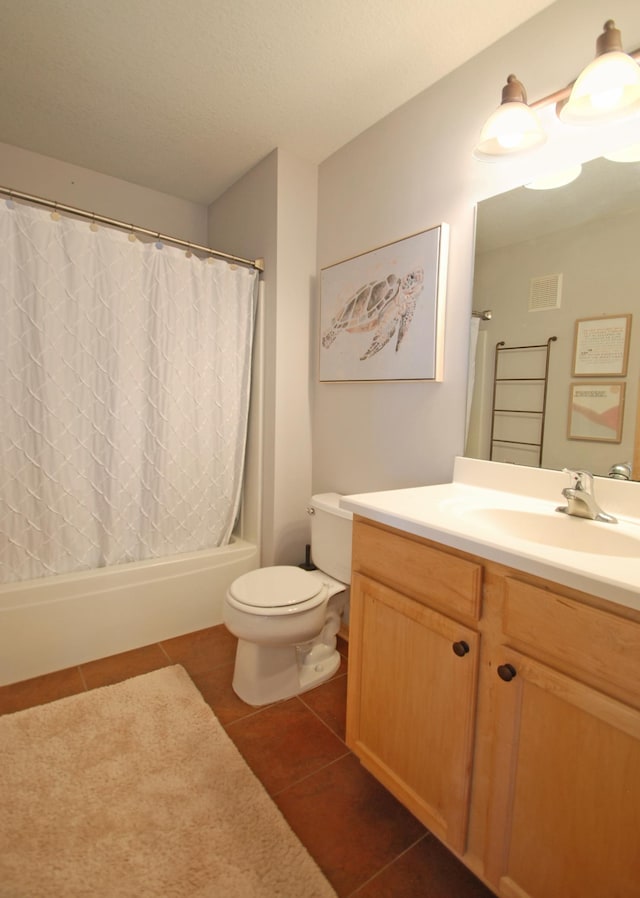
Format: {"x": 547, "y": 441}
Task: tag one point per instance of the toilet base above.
{"x": 266, "y": 673}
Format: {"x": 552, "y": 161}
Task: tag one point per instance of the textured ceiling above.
{"x": 185, "y": 97}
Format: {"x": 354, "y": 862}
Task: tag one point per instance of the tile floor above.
{"x": 366, "y": 843}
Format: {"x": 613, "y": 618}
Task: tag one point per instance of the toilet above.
{"x": 286, "y": 618}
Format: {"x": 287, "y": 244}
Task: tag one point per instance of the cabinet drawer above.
{"x": 443, "y": 581}
{"x": 582, "y": 638}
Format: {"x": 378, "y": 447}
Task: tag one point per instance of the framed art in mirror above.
{"x": 382, "y": 312}
{"x": 601, "y": 346}
{"x": 596, "y": 411}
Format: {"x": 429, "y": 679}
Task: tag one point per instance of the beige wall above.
{"x": 244, "y": 222}
{"x": 82, "y": 188}
{"x": 271, "y": 213}
{"x": 411, "y": 171}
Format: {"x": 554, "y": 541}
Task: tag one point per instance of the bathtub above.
{"x": 57, "y": 622}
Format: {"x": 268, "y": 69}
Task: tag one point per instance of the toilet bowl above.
{"x": 286, "y": 619}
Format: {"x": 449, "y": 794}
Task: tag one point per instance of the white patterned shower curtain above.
{"x": 124, "y": 394}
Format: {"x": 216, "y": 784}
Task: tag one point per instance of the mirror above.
{"x": 545, "y": 260}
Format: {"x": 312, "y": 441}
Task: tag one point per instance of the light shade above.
{"x": 555, "y": 179}
{"x": 609, "y": 87}
{"x": 626, "y": 154}
{"x": 513, "y": 128}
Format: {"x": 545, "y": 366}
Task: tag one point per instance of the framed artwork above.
{"x": 382, "y": 312}
{"x": 596, "y": 411}
{"x": 601, "y": 346}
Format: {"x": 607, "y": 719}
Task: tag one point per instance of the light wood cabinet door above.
{"x": 411, "y": 703}
{"x": 565, "y": 817}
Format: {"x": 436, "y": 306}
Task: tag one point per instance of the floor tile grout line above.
{"x": 311, "y": 774}
{"x": 166, "y": 653}
{"x": 354, "y": 894}
{"x": 255, "y": 710}
{"x": 258, "y": 709}
{"x": 318, "y": 717}
{"x": 82, "y": 678}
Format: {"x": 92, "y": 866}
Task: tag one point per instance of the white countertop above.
{"x": 465, "y": 514}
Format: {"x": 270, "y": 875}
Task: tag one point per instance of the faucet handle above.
{"x": 580, "y": 480}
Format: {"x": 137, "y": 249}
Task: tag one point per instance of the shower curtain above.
{"x": 124, "y": 393}
{"x": 471, "y": 371}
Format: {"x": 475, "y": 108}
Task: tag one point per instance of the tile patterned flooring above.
{"x": 366, "y": 843}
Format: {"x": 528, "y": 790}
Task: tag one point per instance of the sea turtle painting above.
{"x": 382, "y": 306}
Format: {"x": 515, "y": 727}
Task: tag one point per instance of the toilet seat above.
{"x": 281, "y": 589}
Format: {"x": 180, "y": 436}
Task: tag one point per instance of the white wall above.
{"x": 271, "y": 213}
{"x": 243, "y": 221}
{"x": 413, "y": 170}
{"x": 91, "y": 191}
{"x": 297, "y": 214}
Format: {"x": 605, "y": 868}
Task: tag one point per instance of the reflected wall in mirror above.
{"x": 545, "y": 259}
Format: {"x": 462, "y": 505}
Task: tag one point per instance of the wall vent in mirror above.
{"x": 545, "y": 292}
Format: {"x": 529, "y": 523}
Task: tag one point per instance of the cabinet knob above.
{"x": 507, "y": 672}
{"x": 460, "y": 648}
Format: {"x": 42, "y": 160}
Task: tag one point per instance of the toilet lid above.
{"x": 275, "y": 587}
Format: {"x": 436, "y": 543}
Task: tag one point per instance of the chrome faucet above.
{"x": 581, "y": 500}
{"x": 621, "y": 471}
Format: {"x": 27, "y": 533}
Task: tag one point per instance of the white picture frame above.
{"x": 601, "y": 346}
{"x": 596, "y": 411}
{"x": 382, "y": 312}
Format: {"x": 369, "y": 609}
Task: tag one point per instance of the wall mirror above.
{"x": 545, "y": 261}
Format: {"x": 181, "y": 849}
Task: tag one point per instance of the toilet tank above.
{"x": 331, "y": 536}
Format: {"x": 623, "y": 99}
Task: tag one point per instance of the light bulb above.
{"x": 608, "y": 88}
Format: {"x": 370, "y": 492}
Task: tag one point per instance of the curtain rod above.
{"x": 258, "y": 264}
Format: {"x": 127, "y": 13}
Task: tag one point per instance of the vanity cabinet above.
{"x": 503, "y": 710}
{"x": 413, "y": 675}
{"x": 565, "y": 780}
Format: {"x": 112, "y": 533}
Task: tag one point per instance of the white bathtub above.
{"x": 58, "y": 622}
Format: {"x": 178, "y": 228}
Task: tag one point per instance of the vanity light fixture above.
{"x": 626, "y": 154}
{"x": 513, "y": 128}
{"x": 608, "y": 89}
{"x": 555, "y": 179}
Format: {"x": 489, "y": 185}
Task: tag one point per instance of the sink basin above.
{"x": 507, "y": 514}
{"x": 557, "y": 530}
